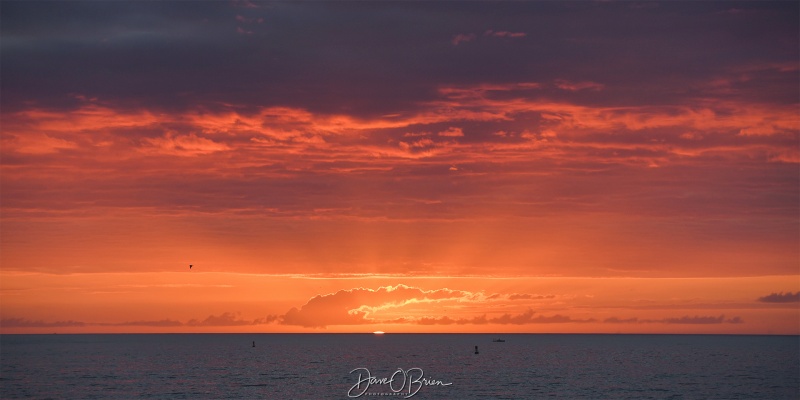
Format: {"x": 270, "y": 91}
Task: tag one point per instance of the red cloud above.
{"x": 491, "y": 32}
{"x": 38, "y": 143}
{"x": 452, "y": 132}
{"x": 190, "y": 144}
{"x": 288, "y": 132}
{"x": 460, "y": 38}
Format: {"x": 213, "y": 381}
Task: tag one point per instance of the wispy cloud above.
{"x": 577, "y": 86}
{"x": 525, "y": 296}
{"x": 684, "y": 320}
{"x": 159, "y": 323}
{"x": 25, "y": 323}
{"x": 469, "y": 37}
{"x": 463, "y": 37}
{"x": 224, "y": 319}
{"x": 702, "y": 320}
{"x": 524, "y": 318}
{"x": 185, "y": 145}
{"x": 41, "y": 144}
{"x": 452, "y": 132}
{"x": 507, "y": 34}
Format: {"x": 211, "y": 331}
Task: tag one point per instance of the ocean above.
{"x": 417, "y": 366}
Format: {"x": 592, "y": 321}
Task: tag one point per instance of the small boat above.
{"x": 499, "y": 340}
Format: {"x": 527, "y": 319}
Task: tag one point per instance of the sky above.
{"x": 537, "y": 167}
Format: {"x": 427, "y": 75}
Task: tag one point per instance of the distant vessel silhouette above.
{"x": 498, "y": 340}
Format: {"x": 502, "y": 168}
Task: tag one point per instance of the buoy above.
{"x": 476, "y": 349}
{"x": 254, "y": 343}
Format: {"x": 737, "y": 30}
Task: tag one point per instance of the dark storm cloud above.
{"x": 378, "y": 58}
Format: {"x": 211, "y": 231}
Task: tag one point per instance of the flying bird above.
{"x": 190, "y": 266}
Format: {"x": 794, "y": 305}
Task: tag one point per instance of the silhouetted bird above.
{"x": 190, "y": 266}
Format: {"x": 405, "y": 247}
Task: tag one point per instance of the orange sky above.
{"x": 497, "y": 172}
{"x": 236, "y": 302}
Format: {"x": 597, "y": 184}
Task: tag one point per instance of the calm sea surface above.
{"x": 422, "y": 366}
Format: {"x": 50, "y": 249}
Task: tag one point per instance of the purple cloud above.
{"x": 781, "y": 297}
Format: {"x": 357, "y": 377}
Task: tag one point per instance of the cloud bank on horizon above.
{"x": 392, "y": 306}
{"x": 358, "y": 306}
